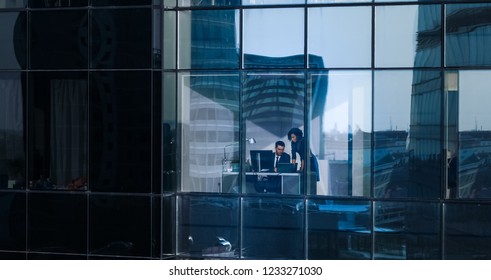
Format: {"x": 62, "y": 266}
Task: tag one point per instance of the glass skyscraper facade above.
{"x": 148, "y": 129}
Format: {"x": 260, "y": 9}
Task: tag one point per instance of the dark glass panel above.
{"x": 407, "y": 230}
{"x": 58, "y": 130}
{"x": 157, "y": 141}
{"x": 208, "y": 39}
{"x": 467, "y": 231}
{"x": 13, "y": 31}
{"x": 156, "y": 217}
{"x": 120, "y": 225}
{"x": 45, "y": 256}
{"x": 12, "y": 130}
{"x": 57, "y": 3}
{"x": 407, "y": 134}
{"x": 339, "y": 229}
{"x": 13, "y": 4}
{"x": 13, "y": 221}
{"x": 58, "y": 39}
{"x": 12, "y": 256}
{"x": 123, "y": 2}
{"x": 273, "y": 228}
{"x": 168, "y": 225}
{"x": 121, "y": 38}
{"x": 208, "y": 227}
{"x": 120, "y": 138}
{"x": 169, "y": 132}
{"x": 157, "y": 38}
{"x": 468, "y": 34}
{"x": 57, "y": 223}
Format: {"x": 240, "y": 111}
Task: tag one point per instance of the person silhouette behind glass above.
{"x": 272, "y": 183}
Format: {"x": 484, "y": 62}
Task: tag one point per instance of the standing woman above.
{"x": 295, "y": 135}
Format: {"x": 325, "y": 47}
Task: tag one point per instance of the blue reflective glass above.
{"x": 267, "y": 45}
{"x": 208, "y": 39}
{"x": 407, "y": 230}
{"x": 408, "y": 36}
{"x": 407, "y": 133}
{"x": 341, "y": 36}
{"x": 339, "y": 229}
{"x": 208, "y": 227}
{"x": 273, "y": 228}
{"x": 468, "y": 34}
{"x": 13, "y": 31}
{"x": 467, "y": 231}
{"x": 340, "y": 131}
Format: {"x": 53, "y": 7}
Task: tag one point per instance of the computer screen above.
{"x": 262, "y": 160}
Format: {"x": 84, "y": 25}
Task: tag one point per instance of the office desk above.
{"x": 289, "y": 182}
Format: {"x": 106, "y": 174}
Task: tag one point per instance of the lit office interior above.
{"x": 147, "y": 129}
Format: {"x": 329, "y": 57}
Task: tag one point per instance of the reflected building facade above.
{"x": 128, "y": 130}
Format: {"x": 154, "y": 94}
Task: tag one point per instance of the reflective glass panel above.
{"x": 341, "y": 36}
{"x": 13, "y": 49}
{"x": 58, "y": 130}
{"x": 266, "y": 42}
{"x": 169, "y": 3}
{"x": 273, "y": 104}
{"x": 12, "y": 130}
{"x": 468, "y": 34}
{"x": 13, "y": 221}
{"x": 58, "y": 46}
{"x": 408, "y": 36}
{"x": 123, "y": 2}
{"x": 168, "y": 215}
{"x": 170, "y": 35}
{"x": 120, "y": 131}
{"x": 119, "y": 225}
{"x": 469, "y": 162}
{"x": 340, "y": 131}
{"x": 467, "y": 232}
{"x": 208, "y": 39}
{"x": 12, "y": 3}
{"x": 169, "y": 132}
{"x": 407, "y": 134}
{"x": 273, "y": 228}
{"x": 407, "y": 230}
{"x": 339, "y": 229}
{"x": 57, "y": 3}
{"x": 412, "y": 0}
{"x": 208, "y": 227}
{"x": 192, "y": 3}
{"x": 338, "y": 1}
{"x": 121, "y": 38}
{"x": 271, "y": 2}
{"x": 57, "y": 223}
{"x": 209, "y": 131}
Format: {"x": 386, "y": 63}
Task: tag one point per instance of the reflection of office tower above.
{"x": 425, "y": 131}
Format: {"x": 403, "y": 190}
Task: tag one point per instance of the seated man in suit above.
{"x": 279, "y": 154}
{"x": 272, "y": 183}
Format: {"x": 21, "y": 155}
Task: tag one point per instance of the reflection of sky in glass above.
{"x": 271, "y": 2}
{"x": 392, "y": 99}
{"x": 474, "y": 100}
{"x": 341, "y": 35}
{"x": 395, "y": 35}
{"x": 348, "y": 101}
{"x": 274, "y": 32}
